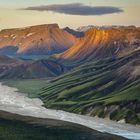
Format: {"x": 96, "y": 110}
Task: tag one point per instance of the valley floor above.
{"x": 17, "y": 103}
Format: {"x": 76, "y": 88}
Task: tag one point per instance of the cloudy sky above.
{"x": 73, "y": 13}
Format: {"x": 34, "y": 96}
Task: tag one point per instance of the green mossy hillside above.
{"x": 104, "y": 88}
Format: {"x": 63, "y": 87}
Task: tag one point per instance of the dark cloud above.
{"x": 77, "y": 9}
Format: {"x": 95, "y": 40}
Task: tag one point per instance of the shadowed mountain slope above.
{"x": 18, "y": 69}
{"x": 7, "y": 60}
{"x": 77, "y": 34}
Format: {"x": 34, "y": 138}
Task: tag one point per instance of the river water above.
{"x": 14, "y": 102}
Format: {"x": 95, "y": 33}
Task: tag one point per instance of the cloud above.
{"x": 77, "y": 9}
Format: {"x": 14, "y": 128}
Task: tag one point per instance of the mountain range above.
{"x": 67, "y": 48}
{"x": 97, "y": 42}
{"x": 105, "y": 27}
{"x": 95, "y": 70}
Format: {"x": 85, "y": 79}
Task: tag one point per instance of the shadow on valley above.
{"x": 20, "y": 128}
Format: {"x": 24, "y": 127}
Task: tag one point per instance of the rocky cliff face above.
{"x": 41, "y": 39}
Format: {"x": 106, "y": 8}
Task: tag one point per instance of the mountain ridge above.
{"x": 100, "y": 44}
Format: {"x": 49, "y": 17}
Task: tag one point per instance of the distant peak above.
{"x": 74, "y": 32}
{"x": 104, "y": 27}
{"x": 68, "y": 28}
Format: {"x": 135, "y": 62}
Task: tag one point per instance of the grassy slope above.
{"x": 31, "y": 87}
{"x": 97, "y": 88}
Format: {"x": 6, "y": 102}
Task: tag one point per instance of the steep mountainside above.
{"x": 101, "y": 43}
{"x": 19, "y": 69}
{"x": 41, "y": 39}
{"x": 106, "y": 88}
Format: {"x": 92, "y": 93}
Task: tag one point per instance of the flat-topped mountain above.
{"x": 41, "y": 39}
{"x": 103, "y": 43}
